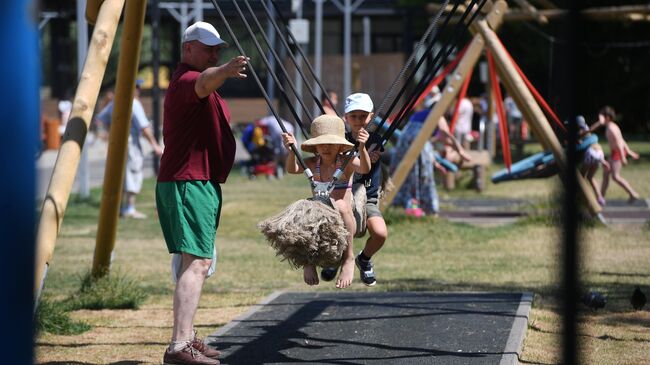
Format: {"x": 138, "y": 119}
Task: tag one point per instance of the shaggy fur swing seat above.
{"x": 307, "y": 232}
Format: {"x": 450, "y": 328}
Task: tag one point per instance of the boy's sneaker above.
{"x": 187, "y": 356}
{"x": 328, "y": 273}
{"x": 365, "y": 271}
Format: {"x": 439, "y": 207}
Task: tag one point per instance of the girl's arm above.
{"x": 291, "y": 165}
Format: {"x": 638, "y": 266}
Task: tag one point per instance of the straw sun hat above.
{"x": 327, "y": 129}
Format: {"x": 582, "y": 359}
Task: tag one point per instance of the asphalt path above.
{"x": 378, "y": 328}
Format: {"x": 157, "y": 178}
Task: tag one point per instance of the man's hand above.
{"x": 236, "y": 67}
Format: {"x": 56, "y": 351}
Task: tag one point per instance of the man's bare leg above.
{"x": 187, "y": 295}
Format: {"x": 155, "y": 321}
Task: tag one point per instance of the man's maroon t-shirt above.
{"x": 199, "y": 144}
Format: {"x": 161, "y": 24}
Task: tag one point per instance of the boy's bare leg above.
{"x": 310, "y": 275}
{"x": 377, "y": 235}
{"x": 347, "y": 261}
{"x": 616, "y": 176}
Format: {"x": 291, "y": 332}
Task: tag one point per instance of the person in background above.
{"x": 619, "y": 152}
{"x": 330, "y": 108}
{"x": 140, "y": 127}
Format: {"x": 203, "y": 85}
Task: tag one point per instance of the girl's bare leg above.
{"x": 347, "y": 261}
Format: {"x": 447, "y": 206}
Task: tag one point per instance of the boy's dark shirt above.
{"x": 371, "y": 180}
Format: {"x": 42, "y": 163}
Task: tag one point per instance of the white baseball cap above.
{"x": 358, "y": 101}
{"x": 204, "y": 33}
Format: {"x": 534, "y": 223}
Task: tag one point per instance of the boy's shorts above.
{"x": 372, "y": 208}
{"x": 189, "y": 213}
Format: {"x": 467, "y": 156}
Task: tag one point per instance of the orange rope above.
{"x": 503, "y": 124}
{"x": 534, "y": 91}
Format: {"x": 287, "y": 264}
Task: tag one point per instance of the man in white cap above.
{"x": 198, "y": 156}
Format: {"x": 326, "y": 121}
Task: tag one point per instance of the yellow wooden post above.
{"x": 67, "y": 160}
{"x": 450, "y": 91}
{"x": 127, "y": 70}
{"x": 531, "y": 110}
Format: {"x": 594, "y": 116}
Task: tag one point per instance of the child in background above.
{"x": 593, "y": 157}
{"x": 619, "y": 152}
{"x": 328, "y": 143}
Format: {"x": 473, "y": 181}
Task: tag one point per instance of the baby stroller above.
{"x": 260, "y": 146}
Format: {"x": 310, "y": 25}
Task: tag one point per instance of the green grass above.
{"x": 429, "y": 254}
{"x": 53, "y": 317}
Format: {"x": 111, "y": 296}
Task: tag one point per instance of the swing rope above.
{"x": 442, "y": 75}
{"x": 301, "y": 162}
{"x": 430, "y": 72}
{"x": 434, "y": 66}
{"x": 400, "y": 77}
{"x": 273, "y": 75}
{"x": 302, "y": 54}
{"x": 534, "y": 91}
{"x": 424, "y": 56}
{"x": 277, "y": 58}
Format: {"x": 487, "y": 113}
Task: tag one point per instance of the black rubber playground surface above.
{"x": 378, "y": 328}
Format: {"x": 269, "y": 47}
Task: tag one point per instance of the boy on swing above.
{"x": 358, "y": 113}
{"x": 328, "y": 143}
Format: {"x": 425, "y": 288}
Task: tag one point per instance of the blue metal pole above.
{"x": 19, "y": 105}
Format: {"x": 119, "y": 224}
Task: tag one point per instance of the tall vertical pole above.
{"x": 65, "y": 168}
{"x": 198, "y": 11}
{"x": 83, "y": 178}
{"x": 19, "y": 100}
{"x": 155, "y": 65}
{"x": 347, "y": 48}
{"x": 571, "y": 252}
{"x": 127, "y": 69}
{"x": 366, "y": 36}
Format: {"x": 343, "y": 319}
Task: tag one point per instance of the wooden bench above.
{"x": 480, "y": 161}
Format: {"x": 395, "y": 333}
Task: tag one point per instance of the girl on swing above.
{"x": 328, "y": 144}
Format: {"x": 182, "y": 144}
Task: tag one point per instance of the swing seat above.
{"x": 539, "y": 165}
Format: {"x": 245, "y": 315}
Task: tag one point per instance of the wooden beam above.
{"x": 527, "y": 7}
{"x": 611, "y": 13}
{"x": 531, "y": 110}
{"x": 449, "y": 93}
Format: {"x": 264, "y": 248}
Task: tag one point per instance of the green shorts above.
{"x": 189, "y": 213}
